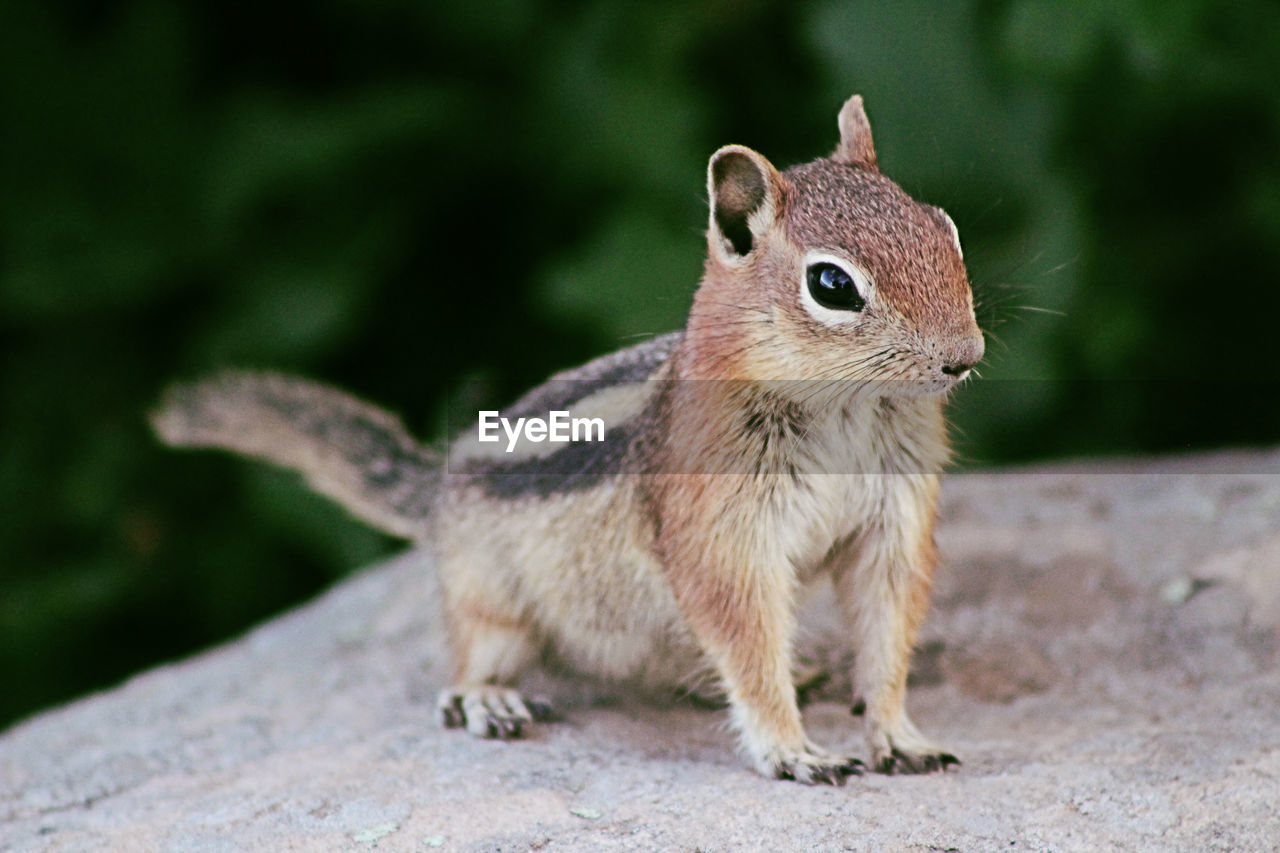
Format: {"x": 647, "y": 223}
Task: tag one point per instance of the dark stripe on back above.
{"x": 625, "y": 367}
{"x": 577, "y": 466}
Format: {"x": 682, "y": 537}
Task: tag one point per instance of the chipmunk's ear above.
{"x": 746, "y": 193}
{"x": 855, "y": 146}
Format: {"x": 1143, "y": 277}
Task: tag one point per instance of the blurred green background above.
{"x": 401, "y": 197}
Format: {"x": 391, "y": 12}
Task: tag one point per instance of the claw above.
{"x": 450, "y": 710}
{"x": 814, "y": 769}
{"x": 902, "y": 761}
{"x": 487, "y": 711}
{"x": 542, "y": 709}
{"x": 829, "y": 775}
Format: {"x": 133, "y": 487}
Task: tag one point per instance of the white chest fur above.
{"x": 864, "y": 469}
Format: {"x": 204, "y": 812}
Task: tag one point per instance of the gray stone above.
{"x": 1104, "y": 654}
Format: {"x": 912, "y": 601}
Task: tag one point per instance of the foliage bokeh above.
{"x": 402, "y": 198}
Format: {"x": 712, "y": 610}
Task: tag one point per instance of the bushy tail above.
{"x": 349, "y": 450}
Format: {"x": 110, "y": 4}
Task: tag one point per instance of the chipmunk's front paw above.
{"x": 904, "y": 761}
{"x": 489, "y": 711}
{"x": 901, "y": 748}
{"x": 812, "y": 767}
{"x": 921, "y": 757}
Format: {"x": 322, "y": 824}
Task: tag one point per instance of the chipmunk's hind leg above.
{"x": 492, "y": 651}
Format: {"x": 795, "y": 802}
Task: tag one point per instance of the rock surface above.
{"x": 1104, "y": 653}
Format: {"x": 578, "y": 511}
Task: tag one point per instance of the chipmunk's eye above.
{"x": 832, "y": 287}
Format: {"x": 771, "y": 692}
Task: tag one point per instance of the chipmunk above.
{"x": 794, "y": 429}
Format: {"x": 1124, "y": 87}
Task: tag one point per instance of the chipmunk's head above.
{"x": 829, "y": 271}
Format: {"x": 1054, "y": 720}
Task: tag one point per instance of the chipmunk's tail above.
{"x": 349, "y": 450}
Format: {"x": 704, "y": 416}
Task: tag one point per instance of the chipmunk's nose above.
{"x": 963, "y": 355}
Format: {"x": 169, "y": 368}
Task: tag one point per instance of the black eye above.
{"x": 833, "y": 288}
